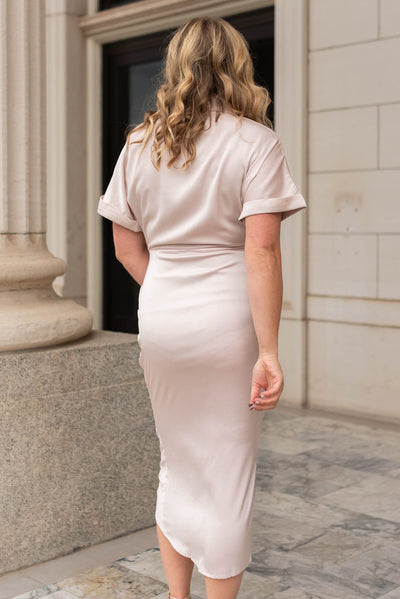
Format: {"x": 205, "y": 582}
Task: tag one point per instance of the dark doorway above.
{"x": 104, "y": 4}
{"x": 131, "y": 76}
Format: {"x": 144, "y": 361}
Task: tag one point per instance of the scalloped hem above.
{"x": 178, "y": 547}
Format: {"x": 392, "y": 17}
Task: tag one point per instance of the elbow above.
{"x": 125, "y": 255}
{"x": 263, "y": 258}
{"x": 120, "y": 256}
{"x": 267, "y": 251}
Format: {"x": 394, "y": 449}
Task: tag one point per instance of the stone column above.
{"x": 31, "y": 313}
{"x": 66, "y": 144}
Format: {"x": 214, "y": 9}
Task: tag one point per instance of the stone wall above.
{"x": 78, "y": 448}
{"x": 354, "y": 217}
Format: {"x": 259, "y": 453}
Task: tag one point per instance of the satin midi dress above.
{"x": 196, "y": 336}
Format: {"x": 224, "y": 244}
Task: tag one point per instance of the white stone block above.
{"x": 336, "y": 22}
{"x": 389, "y": 135}
{"x": 293, "y": 249}
{"x": 292, "y": 357}
{"x": 389, "y": 18}
{"x": 355, "y": 75}
{"x": 354, "y": 310}
{"x": 343, "y": 139}
{"x": 354, "y": 369}
{"x": 342, "y": 265}
{"x": 356, "y": 201}
{"x": 389, "y": 266}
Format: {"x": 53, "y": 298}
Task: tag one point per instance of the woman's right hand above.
{"x": 268, "y": 375}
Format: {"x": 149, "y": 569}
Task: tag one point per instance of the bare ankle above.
{"x": 176, "y": 597}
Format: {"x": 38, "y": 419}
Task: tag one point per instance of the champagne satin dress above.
{"x": 197, "y": 340}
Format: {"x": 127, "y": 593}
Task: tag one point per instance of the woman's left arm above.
{"x": 131, "y": 250}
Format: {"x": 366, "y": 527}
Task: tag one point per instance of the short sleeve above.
{"x": 114, "y": 204}
{"x": 269, "y": 187}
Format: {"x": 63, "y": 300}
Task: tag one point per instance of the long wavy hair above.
{"x": 207, "y": 63}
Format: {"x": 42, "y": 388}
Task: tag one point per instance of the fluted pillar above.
{"x": 31, "y": 313}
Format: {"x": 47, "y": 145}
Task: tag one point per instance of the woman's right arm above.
{"x": 264, "y": 285}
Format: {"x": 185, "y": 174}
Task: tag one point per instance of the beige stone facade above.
{"x": 353, "y": 272}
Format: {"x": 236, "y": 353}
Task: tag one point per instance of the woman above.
{"x": 196, "y": 198}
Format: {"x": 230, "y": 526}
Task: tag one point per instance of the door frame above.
{"x": 290, "y": 120}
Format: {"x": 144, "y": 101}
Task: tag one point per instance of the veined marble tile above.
{"x": 44, "y": 591}
{"x": 150, "y": 565}
{"x": 373, "y": 444}
{"x": 275, "y": 562}
{"x": 294, "y": 571}
{"x": 368, "y": 526}
{"x": 254, "y": 587}
{"x": 109, "y": 582}
{"x": 395, "y": 594}
{"x": 271, "y": 463}
{"x": 336, "y": 545}
{"x": 330, "y": 586}
{"x": 282, "y": 444}
{"x": 282, "y": 533}
{"x": 62, "y": 595}
{"x": 314, "y": 428}
{"x": 301, "y": 424}
{"x": 394, "y": 473}
{"x": 292, "y": 593}
{"x": 303, "y": 486}
{"x": 355, "y": 458}
{"x": 280, "y": 414}
{"x": 131, "y": 559}
{"x": 368, "y": 580}
{"x": 375, "y": 495}
{"x": 374, "y": 435}
{"x": 302, "y": 510}
{"x": 277, "y": 469}
{"x": 381, "y": 562}
{"x": 313, "y": 437}
{"x": 165, "y": 596}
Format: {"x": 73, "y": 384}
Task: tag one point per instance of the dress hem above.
{"x": 202, "y": 571}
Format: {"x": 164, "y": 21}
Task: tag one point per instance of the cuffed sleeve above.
{"x": 269, "y": 187}
{"x": 114, "y": 204}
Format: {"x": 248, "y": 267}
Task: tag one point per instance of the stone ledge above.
{"x": 61, "y": 368}
{"x": 78, "y": 447}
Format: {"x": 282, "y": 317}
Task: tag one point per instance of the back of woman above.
{"x": 186, "y": 181}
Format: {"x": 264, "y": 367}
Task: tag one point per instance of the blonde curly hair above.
{"x": 207, "y": 64}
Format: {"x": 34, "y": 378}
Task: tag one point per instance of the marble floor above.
{"x": 326, "y": 524}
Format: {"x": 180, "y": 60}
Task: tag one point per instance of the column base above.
{"x": 31, "y": 313}
{"x": 39, "y": 317}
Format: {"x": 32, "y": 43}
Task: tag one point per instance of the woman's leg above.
{"x": 178, "y": 568}
{"x": 223, "y": 588}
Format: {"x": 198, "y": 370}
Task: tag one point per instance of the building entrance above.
{"x": 131, "y": 76}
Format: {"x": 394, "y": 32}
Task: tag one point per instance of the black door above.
{"x": 131, "y": 75}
